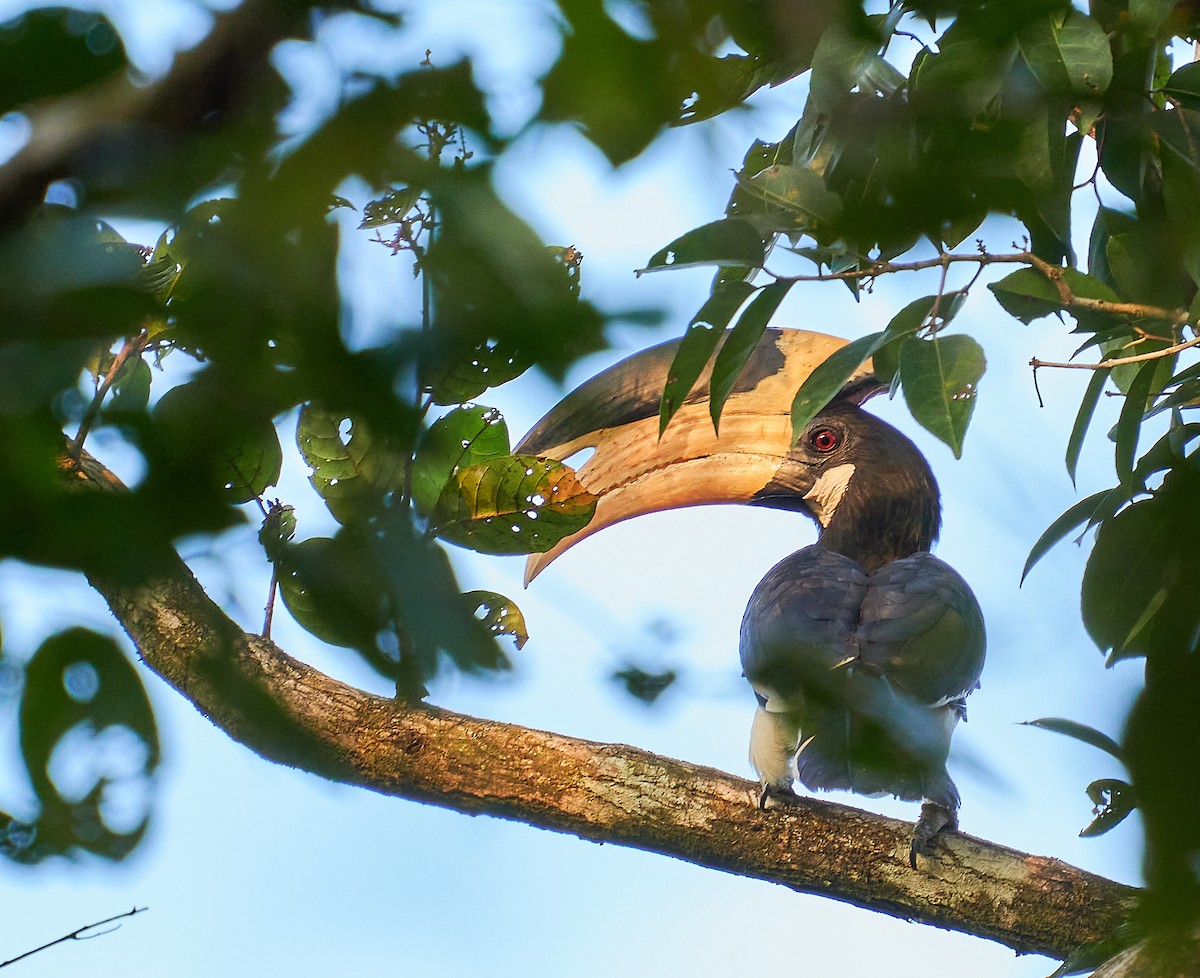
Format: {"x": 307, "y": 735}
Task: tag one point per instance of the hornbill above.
{"x": 862, "y": 648}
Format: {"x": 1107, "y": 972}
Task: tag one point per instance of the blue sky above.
{"x": 252, "y": 868}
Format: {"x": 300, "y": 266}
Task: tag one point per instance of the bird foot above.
{"x": 934, "y": 818}
{"x": 776, "y": 796}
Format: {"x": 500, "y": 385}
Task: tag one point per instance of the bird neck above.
{"x": 887, "y": 513}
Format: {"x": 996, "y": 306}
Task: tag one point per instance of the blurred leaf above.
{"x": 352, "y": 470}
{"x": 1080, "y": 732}
{"x": 131, "y": 389}
{"x": 704, "y": 332}
{"x": 645, "y": 686}
{"x": 512, "y": 505}
{"x": 844, "y": 61}
{"x": 1087, "y": 407}
{"x": 1114, "y": 800}
{"x": 824, "y": 383}
{"x": 239, "y": 454}
{"x": 55, "y": 51}
{"x": 940, "y": 378}
{"x": 799, "y": 192}
{"x": 499, "y": 615}
{"x": 1068, "y": 54}
{"x": 725, "y": 242}
{"x": 78, "y": 686}
{"x": 1078, "y": 514}
{"x": 740, "y": 343}
{"x": 1148, "y": 15}
{"x": 462, "y": 438}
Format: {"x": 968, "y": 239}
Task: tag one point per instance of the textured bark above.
{"x": 292, "y": 714}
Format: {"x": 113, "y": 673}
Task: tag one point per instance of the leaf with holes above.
{"x": 941, "y": 379}
{"x": 79, "y": 684}
{"x": 725, "y": 242}
{"x": 462, "y": 438}
{"x": 1113, "y": 800}
{"x": 489, "y": 364}
{"x": 352, "y": 470}
{"x": 498, "y": 614}
{"x": 513, "y": 505}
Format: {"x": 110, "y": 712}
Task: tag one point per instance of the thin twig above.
{"x": 131, "y": 348}
{"x": 1118, "y": 361}
{"x": 77, "y": 935}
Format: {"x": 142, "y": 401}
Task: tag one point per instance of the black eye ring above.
{"x": 824, "y": 440}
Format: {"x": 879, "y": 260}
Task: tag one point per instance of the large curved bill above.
{"x": 635, "y": 472}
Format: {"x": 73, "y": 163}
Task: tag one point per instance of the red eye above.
{"x": 824, "y": 439}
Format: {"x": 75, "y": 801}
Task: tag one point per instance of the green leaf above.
{"x": 1081, "y": 512}
{"x": 392, "y": 208}
{"x": 131, "y": 389}
{"x": 333, "y": 591}
{"x": 352, "y": 470}
{"x": 277, "y": 530}
{"x": 696, "y": 348}
{"x": 642, "y": 685}
{"x": 1087, "y": 407}
{"x": 740, "y": 343}
{"x": 726, "y": 242}
{"x": 940, "y": 378}
{"x": 239, "y": 453}
{"x": 1068, "y": 55}
{"x": 844, "y": 61}
{"x": 1184, "y": 86}
{"x": 823, "y": 384}
{"x": 799, "y": 192}
{"x": 512, "y": 505}
{"x": 463, "y": 437}
{"x": 489, "y": 364}
{"x": 1080, "y": 732}
{"x": 1129, "y": 422}
{"x": 905, "y": 323}
{"x": 1113, "y": 800}
{"x": 1148, "y": 15}
{"x": 1027, "y": 294}
{"x": 498, "y": 614}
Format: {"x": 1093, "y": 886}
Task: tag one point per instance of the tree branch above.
{"x": 1117, "y": 361}
{"x": 292, "y": 714}
{"x": 79, "y": 934}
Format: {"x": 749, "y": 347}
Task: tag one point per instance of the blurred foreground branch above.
{"x": 292, "y": 714}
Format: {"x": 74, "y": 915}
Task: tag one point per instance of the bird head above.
{"x": 843, "y": 457}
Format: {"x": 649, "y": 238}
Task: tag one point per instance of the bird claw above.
{"x": 934, "y": 818}
{"x": 780, "y": 795}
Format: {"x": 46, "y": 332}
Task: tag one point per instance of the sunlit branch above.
{"x": 1118, "y": 361}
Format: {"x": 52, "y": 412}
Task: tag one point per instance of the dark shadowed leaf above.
{"x": 392, "y": 208}
{"x": 1113, "y": 800}
{"x": 499, "y": 615}
{"x": 1129, "y": 422}
{"x": 643, "y": 685}
{"x": 1087, "y": 407}
{"x": 725, "y": 242}
{"x": 488, "y": 364}
{"x": 54, "y": 51}
{"x": 696, "y": 348}
{"x": 239, "y": 453}
{"x": 1184, "y": 86}
{"x": 1079, "y": 514}
{"x": 512, "y": 505}
{"x": 740, "y": 343}
{"x": 799, "y": 192}
{"x": 1080, "y": 732}
{"x": 351, "y": 469}
{"x": 940, "y": 378}
{"x": 463, "y": 437}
